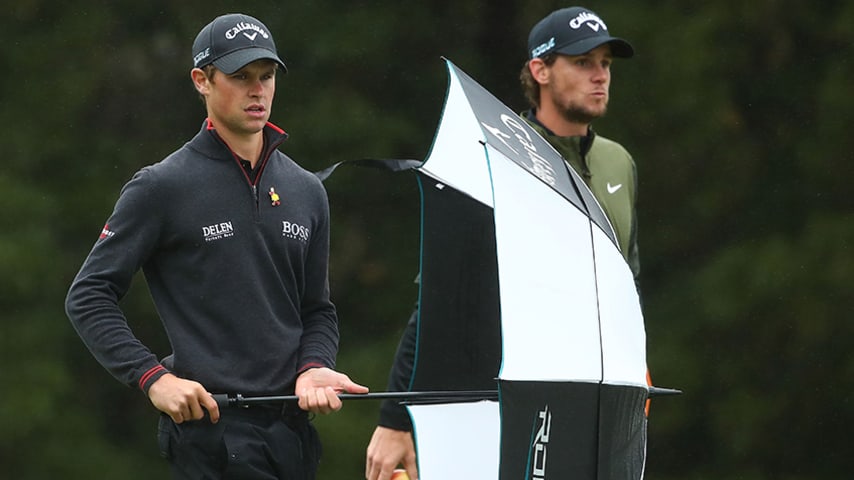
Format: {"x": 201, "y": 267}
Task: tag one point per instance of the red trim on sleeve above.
{"x": 147, "y": 375}
{"x": 310, "y": 365}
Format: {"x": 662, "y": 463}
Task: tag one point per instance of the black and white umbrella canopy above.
{"x": 524, "y": 289}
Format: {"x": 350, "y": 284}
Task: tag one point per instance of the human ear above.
{"x": 539, "y": 70}
{"x": 200, "y": 81}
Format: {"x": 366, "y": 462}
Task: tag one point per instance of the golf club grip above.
{"x": 221, "y": 399}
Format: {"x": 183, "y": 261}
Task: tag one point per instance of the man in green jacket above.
{"x": 566, "y": 79}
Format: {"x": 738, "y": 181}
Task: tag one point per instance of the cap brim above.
{"x": 619, "y": 47}
{"x": 238, "y": 59}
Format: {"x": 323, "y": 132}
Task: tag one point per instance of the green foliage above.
{"x": 759, "y": 326}
{"x": 736, "y": 112}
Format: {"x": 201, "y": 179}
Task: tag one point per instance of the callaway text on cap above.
{"x": 573, "y": 31}
{"x": 232, "y": 41}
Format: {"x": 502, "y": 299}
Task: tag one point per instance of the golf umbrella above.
{"x": 523, "y": 289}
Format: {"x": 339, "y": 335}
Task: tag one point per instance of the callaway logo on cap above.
{"x": 232, "y": 41}
{"x": 573, "y": 31}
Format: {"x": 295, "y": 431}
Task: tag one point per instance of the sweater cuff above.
{"x": 395, "y": 416}
{"x": 152, "y": 375}
{"x": 309, "y": 366}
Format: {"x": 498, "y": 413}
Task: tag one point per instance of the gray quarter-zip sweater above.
{"x": 237, "y": 269}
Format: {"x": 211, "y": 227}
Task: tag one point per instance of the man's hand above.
{"x": 318, "y": 389}
{"x": 387, "y": 449}
{"x": 181, "y": 399}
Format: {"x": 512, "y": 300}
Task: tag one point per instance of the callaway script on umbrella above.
{"x": 522, "y": 280}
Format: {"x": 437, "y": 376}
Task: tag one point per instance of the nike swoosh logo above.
{"x": 250, "y": 37}
{"x": 613, "y": 189}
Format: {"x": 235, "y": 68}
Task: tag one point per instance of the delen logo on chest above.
{"x": 218, "y": 231}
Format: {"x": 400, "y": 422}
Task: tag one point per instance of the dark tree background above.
{"x": 738, "y": 114}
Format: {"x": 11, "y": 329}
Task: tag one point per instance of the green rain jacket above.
{"x": 610, "y": 172}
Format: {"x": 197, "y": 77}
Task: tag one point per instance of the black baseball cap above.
{"x": 573, "y": 31}
{"x": 232, "y": 41}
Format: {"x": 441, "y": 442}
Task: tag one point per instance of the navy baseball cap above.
{"x": 233, "y": 41}
{"x": 573, "y": 31}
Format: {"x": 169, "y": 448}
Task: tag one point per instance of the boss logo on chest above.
{"x": 295, "y": 231}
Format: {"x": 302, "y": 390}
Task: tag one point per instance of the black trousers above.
{"x": 258, "y": 443}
